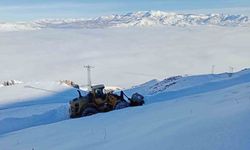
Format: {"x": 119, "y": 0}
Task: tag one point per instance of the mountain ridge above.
{"x": 134, "y": 19}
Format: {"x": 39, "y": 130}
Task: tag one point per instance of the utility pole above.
{"x": 212, "y": 69}
{"x": 88, "y": 67}
{"x": 231, "y": 71}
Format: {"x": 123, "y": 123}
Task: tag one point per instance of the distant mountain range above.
{"x": 136, "y": 19}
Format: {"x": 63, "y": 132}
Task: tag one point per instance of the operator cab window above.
{"x": 99, "y": 92}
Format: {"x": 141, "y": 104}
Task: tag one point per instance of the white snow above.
{"x": 21, "y": 26}
{"x": 177, "y": 83}
{"x": 214, "y": 116}
{"x": 138, "y": 19}
{"x": 203, "y": 111}
{"x": 18, "y": 118}
{"x": 45, "y": 92}
{"x": 31, "y": 104}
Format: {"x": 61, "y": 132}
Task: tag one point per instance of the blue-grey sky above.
{"x": 18, "y": 10}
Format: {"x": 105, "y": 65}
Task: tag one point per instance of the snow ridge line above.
{"x": 208, "y": 87}
{"x": 50, "y": 116}
{"x": 136, "y": 19}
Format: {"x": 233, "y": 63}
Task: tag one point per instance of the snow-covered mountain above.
{"x": 136, "y": 19}
{"x": 19, "y": 26}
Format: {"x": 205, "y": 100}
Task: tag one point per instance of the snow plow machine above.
{"x": 97, "y": 101}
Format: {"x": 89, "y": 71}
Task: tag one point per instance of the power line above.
{"x": 140, "y": 74}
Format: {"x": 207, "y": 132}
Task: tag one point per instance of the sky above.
{"x": 23, "y": 10}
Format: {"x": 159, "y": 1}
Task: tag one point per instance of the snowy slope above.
{"x": 239, "y": 78}
{"x": 35, "y": 93}
{"x": 181, "y": 112}
{"x": 178, "y": 83}
{"x": 138, "y": 19}
{"x": 35, "y": 103}
{"x": 142, "y": 88}
{"x": 216, "y": 119}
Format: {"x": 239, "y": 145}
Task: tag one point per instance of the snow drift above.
{"x": 217, "y": 118}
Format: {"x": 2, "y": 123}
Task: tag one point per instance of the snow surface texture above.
{"x": 181, "y": 112}
{"x": 31, "y": 104}
{"x": 137, "y": 19}
{"x": 177, "y": 83}
{"x": 215, "y": 115}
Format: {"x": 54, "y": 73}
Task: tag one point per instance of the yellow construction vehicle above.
{"x": 98, "y": 101}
